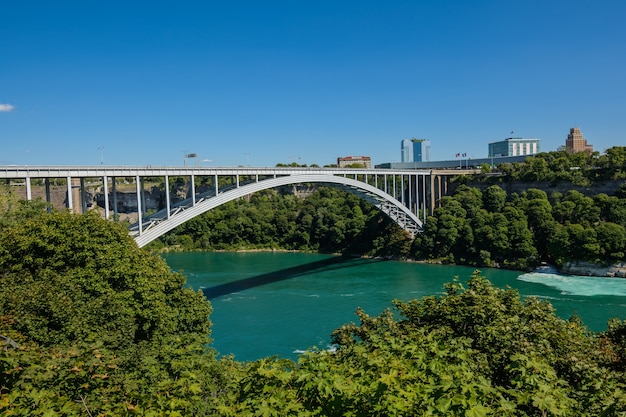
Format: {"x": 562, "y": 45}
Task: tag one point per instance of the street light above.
{"x": 187, "y": 156}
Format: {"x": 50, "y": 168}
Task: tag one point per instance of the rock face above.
{"x": 591, "y": 269}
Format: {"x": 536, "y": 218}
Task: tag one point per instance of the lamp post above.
{"x": 187, "y": 156}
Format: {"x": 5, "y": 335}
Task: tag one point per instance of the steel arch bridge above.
{"x": 403, "y": 195}
{"x": 158, "y": 224}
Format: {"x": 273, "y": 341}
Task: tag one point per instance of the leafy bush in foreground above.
{"x": 103, "y": 327}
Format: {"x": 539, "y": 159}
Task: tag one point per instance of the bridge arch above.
{"x": 160, "y": 223}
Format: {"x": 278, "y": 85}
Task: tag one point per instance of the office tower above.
{"x": 576, "y": 142}
{"x": 421, "y": 150}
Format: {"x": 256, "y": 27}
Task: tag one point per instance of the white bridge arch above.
{"x": 159, "y": 223}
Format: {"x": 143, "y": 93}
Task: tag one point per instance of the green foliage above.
{"x": 487, "y": 229}
{"x": 14, "y": 210}
{"x": 494, "y": 198}
{"x": 612, "y": 240}
{"x": 66, "y": 275}
{"x": 103, "y": 327}
{"x": 579, "y": 168}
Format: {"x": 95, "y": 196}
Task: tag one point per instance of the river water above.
{"x": 267, "y": 304}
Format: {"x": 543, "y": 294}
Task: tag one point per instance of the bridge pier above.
{"x": 115, "y": 205}
{"x": 105, "y": 190}
{"x": 439, "y": 184}
{"x": 70, "y": 202}
{"x": 83, "y": 200}
{"x": 139, "y": 216}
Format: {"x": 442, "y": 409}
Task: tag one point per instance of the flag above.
{"x": 457, "y": 155}
{"x": 464, "y": 155}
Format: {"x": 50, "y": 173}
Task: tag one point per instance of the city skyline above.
{"x": 248, "y": 83}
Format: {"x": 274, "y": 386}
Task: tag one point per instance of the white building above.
{"x": 514, "y": 147}
{"x": 406, "y": 151}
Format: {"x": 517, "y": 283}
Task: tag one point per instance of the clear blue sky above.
{"x": 261, "y": 82}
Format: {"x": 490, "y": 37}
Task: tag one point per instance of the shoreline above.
{"x": 576, "y": 268}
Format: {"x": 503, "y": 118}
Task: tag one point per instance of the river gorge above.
{"x": 267, "y": 304}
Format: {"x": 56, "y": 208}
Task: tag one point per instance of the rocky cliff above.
{"x": 591, "y": 269}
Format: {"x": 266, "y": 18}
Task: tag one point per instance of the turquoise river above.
{"x": 267, "y": 304}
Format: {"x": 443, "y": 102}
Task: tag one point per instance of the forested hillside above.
{"x": 484, "y": 229}
{"x": 519, "y": 230}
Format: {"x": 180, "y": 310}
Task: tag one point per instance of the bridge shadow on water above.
{"x": 330, "y": 264}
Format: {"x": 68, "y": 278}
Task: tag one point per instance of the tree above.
{"x": 522, "y": 253}
{"x": 484, "y": 234}
{"x": 471, "y": 199}
{"x": 534, "y": 169}
{"x": 564, "y": 212}
{"x": 559, "y": 245}
{"x": 494, "y": 198}
{"x": 583, "y": 243}
{"x": 424, "y": 244}
{"x": 15, "y": 210}
{"x": 112, "y": 325}
{"x": 583, "y": 211}
{"x": 540, "y": 221}
{"x": 612, "y": 209}
{"x": 612, "y": 240}
{"x": 448, "y": 228}
{"x": 614, "y": 162}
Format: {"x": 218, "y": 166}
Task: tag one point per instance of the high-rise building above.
{"x": 576, "y": 142}
{"x": 406, "y": 151}
{"x": 421, "y": 150}
{"x": 514, "y": 147}
{"x": 415, "y": 150}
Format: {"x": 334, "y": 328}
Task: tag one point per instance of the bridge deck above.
{"x": 15, "y": 172}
